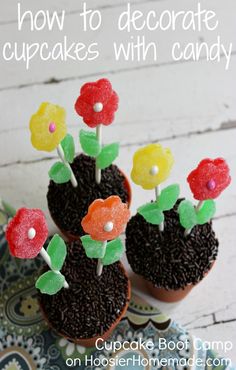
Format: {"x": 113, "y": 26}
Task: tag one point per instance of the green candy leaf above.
{"x": 10, "y": 211}
{"x": 187, "y": 214}
{"x": 114, "y": 251}
{"x": 57, "y": 252}
{"x": 151, "y": 213}
{"x": 50, "y": 282}
{"x": 93, "y": 248}
{"x": 59, "y": 173}
{"x": 3, "y": 218}
{"x": 107, "y": 155}
{"x": 168, "y": 197}
{"x": 68, "y": 147}
{"x": 206, "y": 212}
{"x": 89, "y": 143}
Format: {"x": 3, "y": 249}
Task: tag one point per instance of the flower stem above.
{"x": 187, "y": 232}
{"x": 157, "y": 193}
{"x": 199, "y": 205}
{"x": 97, "y": 169}
{"x": 47, "y": 259}
{"x": 197, "y": 208}
{"x": 100, "y": 264}
{"x": 62, "y": 157}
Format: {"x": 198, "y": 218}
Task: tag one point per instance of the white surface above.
{"x": 187, "y": 106}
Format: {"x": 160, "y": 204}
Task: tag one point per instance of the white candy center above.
{"x": 154, "y": 170}
{"x": 108, "y": 226}
{"x": 31, "y": 233}
{"x": 98, "y": 107}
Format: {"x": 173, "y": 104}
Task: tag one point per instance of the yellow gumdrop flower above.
{"x": 48, "y": 127}
{"x": 151, "y": 165}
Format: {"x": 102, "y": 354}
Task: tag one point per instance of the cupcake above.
{"x": 170, "y": 242}
{"x": 84, "y": 290}
{"x": 77, "y": 180}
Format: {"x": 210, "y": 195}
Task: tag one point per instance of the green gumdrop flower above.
{"x": 107, "y": 155}
{"x": 68, "y": 147}
{"x": 187, "y": 214}
{"x": 168, "y": 197}
{"x": 151, "y": 213}
{"x": 57, "y": 252}
{"x": 89, "y": 143}
{"x": 93, "y": 248}
{"x": 114, "y": 251}
{"x": 59, "y": 173}
{"x": 206, "y": 212}
{"x": 50, "y": 282}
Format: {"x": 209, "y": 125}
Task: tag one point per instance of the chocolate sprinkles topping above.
{"x": 168, "y": 259}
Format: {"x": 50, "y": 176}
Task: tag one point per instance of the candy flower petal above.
{"x": 97, "y": 103}
{"x": 48, "y": 127}
{"x": 106, "y": 219}
{"x": 26, "y": 233}
{"x": 151, "y": 165}
{"x": 209, "y": 179}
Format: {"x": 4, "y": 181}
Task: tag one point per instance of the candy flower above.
{"x": 209, "y": 179}
{"x": 26, "y": 233}
{"x": 151, "y": 165}
{"x": 48, "y": 127}
{"x": 106, "y": 219}
{"x": 97, "y": 103}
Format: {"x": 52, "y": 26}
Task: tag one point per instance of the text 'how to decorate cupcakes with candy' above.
{"x": 76, "y": 181}
{"x": 170, "y": 242}
{"x": 84, "y": 290}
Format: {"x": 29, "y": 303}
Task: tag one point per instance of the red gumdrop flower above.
{"x": 26, "y": 233}
{"x": 209, "y": 179}
{"x": 97, "y": 103}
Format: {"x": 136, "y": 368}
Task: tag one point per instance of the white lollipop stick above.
{"x": 100, "y": 264}
{"x": 157, "y": 193}
{"x": 154, "y": 171}
{"x": 99, "y": 138}
{"x": 198, "y": 206}
{"x": 47, "y": 259}
{"x": 62, "y": 156}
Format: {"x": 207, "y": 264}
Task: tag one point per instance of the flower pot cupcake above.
{"x": 170, "y": 242}
{"x": 76, "y": 181}
{"x": 85, "y": 291}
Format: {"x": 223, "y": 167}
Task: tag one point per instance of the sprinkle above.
{"x": 108, "y": 226}
{"x": 154, "y": 170}
{"x": 98, "y": 107}
{"x": 52, "y": 127}
{"x": 211, "y": 185}
{"x": 31, "y": 233}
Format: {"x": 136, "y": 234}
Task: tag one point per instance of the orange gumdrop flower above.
{"x": 106, "y": 219}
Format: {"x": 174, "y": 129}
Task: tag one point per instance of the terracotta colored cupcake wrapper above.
{"x": 71, "y": 237}
{"x": 171, "y": 295}
{"x": 90, "y": 342}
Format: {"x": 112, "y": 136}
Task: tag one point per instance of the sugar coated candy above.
{"x": 26, "y": 233}
{"x": 151, "y": 165}
{"x": 48, "y": 127}
{"x": 106, "y": 219}
{"x": 97, "y": 103}
{"x": 209, "y": 179}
